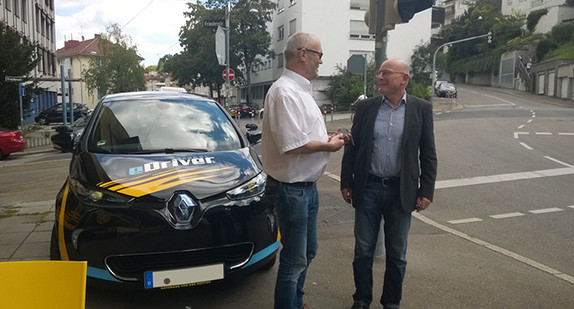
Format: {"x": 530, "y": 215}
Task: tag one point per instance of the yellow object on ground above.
{"x": 43, "y": 284}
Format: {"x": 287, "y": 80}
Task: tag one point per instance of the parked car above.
{"x": 55, "y": 113}
{"x": 164, "y": 191}
{"x": 446, "y": 90}
{"x": 245, "y": 110}
{"x": 65, "y": 138}
{"x": 437, "y": 84}
{"x": 11, "y": 141}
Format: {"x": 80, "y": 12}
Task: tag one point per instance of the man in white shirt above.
{"x": 296, "y": 149}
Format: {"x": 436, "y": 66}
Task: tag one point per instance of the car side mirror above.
{"x": 251, "y": 126}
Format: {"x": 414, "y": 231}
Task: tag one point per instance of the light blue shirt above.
{"x": 389, "y": 128}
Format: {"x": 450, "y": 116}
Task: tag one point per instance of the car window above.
{"x": 160, "y": 124}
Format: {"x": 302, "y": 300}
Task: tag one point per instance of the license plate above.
{"x": 182, "y": 277}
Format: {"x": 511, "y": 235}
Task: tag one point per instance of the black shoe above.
{"x": 359, "y": 306}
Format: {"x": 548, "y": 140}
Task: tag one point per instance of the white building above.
{"x": 35, "y": 22}
{"x": 558, "y": 12}
{"x": 340, "y": 27}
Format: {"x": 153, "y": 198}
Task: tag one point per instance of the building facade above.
{"x": 75, "y": 58}
{"x": 34, "y": 20}
{"x": 343, "y": 33}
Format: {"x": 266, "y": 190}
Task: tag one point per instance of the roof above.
{"x": 75, "y": 48}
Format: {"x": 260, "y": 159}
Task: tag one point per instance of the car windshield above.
{"x": 161, "y": 125}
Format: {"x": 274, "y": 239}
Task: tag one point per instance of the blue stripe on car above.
{"x": 101, "y": 274}
{"x": 263, "y": 254}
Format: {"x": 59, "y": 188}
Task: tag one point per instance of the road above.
{"x": 498, "y": 234}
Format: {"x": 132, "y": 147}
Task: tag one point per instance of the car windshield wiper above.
{"x": 168, "y": 150}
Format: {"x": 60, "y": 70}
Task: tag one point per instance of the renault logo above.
{"x": 182, "y": 208}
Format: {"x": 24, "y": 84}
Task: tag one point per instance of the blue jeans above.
{"x": 297, "y": 208}
{"x": 376, "y": 203}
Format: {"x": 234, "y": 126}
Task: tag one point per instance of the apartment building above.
{"x": 34, "y": 20}
{"x": 341, "y": 28}
{"x": 75, "y": 58}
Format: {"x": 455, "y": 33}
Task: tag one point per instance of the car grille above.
{"x": 132, "y": 267}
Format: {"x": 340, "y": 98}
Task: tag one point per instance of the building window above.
{"x": 291, "y": 2}
{"x": 280, "y": 6}
{"x": 280, "y": 60}
{"x": 16, "y": 7}
{"x": 292, "y": 26}
{"x": 280, "y": 33}
{"x": 359, "y": 4}
{"x": 359, "y": 30}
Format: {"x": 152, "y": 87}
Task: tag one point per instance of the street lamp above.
{"x": 489, "y": 35}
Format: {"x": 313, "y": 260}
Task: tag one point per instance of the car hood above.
{"x": 201, "y": 174}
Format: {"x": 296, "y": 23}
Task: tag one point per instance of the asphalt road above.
{"x": 498, "y": 234}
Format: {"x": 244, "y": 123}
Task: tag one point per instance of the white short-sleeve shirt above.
{"x": 292, "y": 119}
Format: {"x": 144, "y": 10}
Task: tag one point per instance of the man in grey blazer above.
{"x": 387, "y": 173}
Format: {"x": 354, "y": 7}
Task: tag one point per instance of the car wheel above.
{"x": 54, "y": 248}
{"x": 2, "y": 156}
{"x": 43, "y": 121}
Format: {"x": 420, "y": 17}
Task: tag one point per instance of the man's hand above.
{"x": 336, "y": 142}
{"x": 422, "y": 203}
{"x": 347, "y": 195}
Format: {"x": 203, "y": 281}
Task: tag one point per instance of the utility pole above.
{"x": 227, "y": 80}
{"x": 380, "y": 36}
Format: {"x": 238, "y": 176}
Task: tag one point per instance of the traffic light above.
{"x": 396, "y": 12}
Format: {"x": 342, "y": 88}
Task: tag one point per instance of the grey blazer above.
{"x": 418, "y": 153}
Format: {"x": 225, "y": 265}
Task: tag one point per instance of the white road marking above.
{"x": 508, "y": 215}
{"x": 517, "y": 134}
{"x": 468, "y": 220}
{"x": 499, "y": 99}
{"x": 543, "y": 133}
{"x": 490, "y": 246}
{"x": 529, "y": 121}
{"x": 498, "y": 249}
{"x": 522, "y": 126}
{"x": 545, "y": 210}
{"x": 452, "y": 183}
{"x": 559, "y": 162}
{"x": 525, "y": 146}
{"x": 565, "y": 134}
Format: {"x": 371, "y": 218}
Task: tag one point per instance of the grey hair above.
{"x": 297, "y": 40}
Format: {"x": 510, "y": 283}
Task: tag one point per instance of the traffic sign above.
{"x": 229, "y": 76}
{"x": 356, "y": 64}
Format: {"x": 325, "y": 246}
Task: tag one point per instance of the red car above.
{"x": 11, "y": 141}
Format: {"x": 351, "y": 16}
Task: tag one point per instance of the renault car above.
{"x": 164, "y": 191}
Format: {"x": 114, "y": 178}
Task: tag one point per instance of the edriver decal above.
{"x": 158, "y": 165}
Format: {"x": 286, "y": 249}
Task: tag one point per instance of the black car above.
{"x": 164, "y": 191}
{"x": 55, "y": 113}
{"x": 64, "y": 138}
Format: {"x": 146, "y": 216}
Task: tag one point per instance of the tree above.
{"x": 118, "y": 70}
{"x": 249, "y": 42}
{"x": 17, "y": 58}
{"x": 344, "y": 88}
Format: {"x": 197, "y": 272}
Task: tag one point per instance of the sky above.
{"x": 153, "y": 25}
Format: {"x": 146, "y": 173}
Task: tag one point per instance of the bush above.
{"x": 420, "y": 90}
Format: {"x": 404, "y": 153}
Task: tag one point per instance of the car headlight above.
{"x": 97, "y": 196}
{"x": 252, "y": 188}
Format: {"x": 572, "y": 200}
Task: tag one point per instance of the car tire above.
{"x": 43, "y": 121}
{"x": 2, "y": 156}
{"x": 54, "y": 248}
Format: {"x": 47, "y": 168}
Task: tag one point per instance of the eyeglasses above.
{"x": 386, "y": 73}
{"x": 320, "y": 54}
